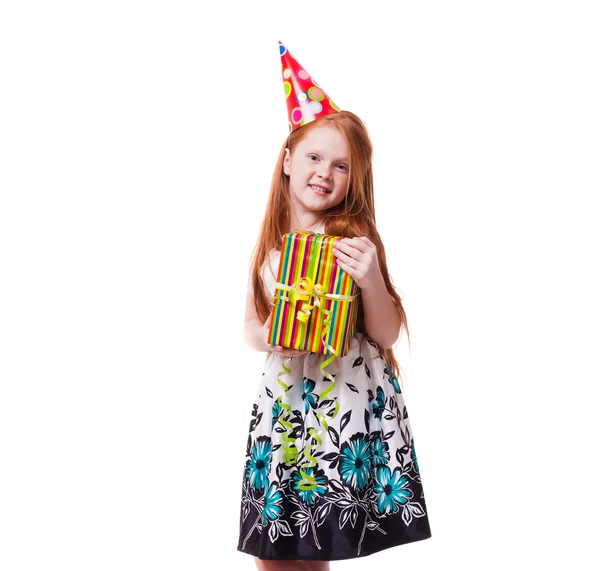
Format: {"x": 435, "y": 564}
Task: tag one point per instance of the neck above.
{"x": 303, "y": 221}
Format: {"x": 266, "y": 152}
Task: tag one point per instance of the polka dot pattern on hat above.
{"x": 306, "y": 100}
{"x": 316, "y": 94}
{"x": 296, "y": 115}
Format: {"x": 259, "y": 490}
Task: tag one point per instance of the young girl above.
{"x": 366, "y": 492}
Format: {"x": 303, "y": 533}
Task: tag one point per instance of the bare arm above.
{"x": 382, "y": 319}
{"x": 358, "y": 257}
{"x": 253, "y": 328}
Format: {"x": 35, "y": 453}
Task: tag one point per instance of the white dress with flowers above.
{"x": 366, "y": 492}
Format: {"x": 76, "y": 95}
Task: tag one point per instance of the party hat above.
{"x": 306, "y": 101}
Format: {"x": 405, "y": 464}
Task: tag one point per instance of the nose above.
{"x": 325, "y": 172}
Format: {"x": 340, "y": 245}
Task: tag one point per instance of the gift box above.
{"x": 315, "y": 301}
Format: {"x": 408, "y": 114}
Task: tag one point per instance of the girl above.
{"x": 367, "y": 493}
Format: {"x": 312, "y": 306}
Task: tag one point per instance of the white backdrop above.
{"x": 138, "y": 141}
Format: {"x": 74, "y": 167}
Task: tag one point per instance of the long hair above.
{"x": 353, "y": 217}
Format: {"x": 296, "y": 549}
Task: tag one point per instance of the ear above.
{"x": 286, "y": 162}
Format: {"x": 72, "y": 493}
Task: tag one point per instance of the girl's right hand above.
{"x": 278, "y": 350}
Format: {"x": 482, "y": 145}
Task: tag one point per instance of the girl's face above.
{"x": 318, "y": 170}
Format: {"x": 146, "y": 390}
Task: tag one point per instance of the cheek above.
{"x": 338, "y": 197}
{"x": 340, "y": 191}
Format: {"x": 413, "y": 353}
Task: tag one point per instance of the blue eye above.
{"x": 343, "y": 166}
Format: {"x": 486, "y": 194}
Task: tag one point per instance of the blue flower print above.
{"x": 379, "y": 404}
{"x": 380, "y": 451}
{"x": 257, "y": 470}
{"x": 390, "y": 490}
{"x": 309, "y": 398}
{"x": 273, "y": 499}
{"x": 309, "y": 496}
{"x": 393, "y": 379}
{"x": 355, "y": 461}
{"x": 413, "y": 456}
{"x": 277, "y": 410}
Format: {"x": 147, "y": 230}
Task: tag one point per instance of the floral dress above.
{"x": 366, "y": 492}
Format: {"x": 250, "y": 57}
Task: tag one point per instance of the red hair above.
{"x": 354, "y": 216}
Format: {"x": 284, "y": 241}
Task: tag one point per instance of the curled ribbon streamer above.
{"x": 305, "y": 290}
{"x": 308, "y": 482}
{"x": 290, "y": 452}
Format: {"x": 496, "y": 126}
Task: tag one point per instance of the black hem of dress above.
{"x": 336, "y": 558}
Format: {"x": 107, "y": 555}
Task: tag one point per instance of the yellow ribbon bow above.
{"x": 305, "y": 290}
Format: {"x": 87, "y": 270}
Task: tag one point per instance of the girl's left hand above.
{"x": 358, "y": 258}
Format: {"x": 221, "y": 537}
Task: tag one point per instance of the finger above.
{"x": 290, "y": 355}
{"x": 348, "y": 269}
{"x": 292, "y": 352}
{"x": 366, "y": 240}
{"x": 295, "y": 351}
{"x": 284, "y": 350}
{"x": 345, "y": 259}
{"x": 351, "y": 246}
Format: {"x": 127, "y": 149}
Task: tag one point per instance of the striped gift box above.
{"x": 316, "y": 303}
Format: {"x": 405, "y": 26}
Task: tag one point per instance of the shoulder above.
{"x": 272, "y": 258}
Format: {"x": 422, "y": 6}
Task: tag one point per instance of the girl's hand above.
{"x": 284, "y": 351}
{"x": 358, "y": 258}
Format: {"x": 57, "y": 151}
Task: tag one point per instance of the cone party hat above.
{"x": 306, "y": 101}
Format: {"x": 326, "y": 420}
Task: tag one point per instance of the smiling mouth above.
{"x": 319, "y": 190}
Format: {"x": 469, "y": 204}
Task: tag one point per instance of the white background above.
{"x": 138, "y": 141}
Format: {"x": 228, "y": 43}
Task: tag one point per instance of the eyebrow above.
{"x": 320, "y": 152}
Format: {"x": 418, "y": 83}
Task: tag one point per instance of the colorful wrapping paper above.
{"x": 316, "y": 302}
